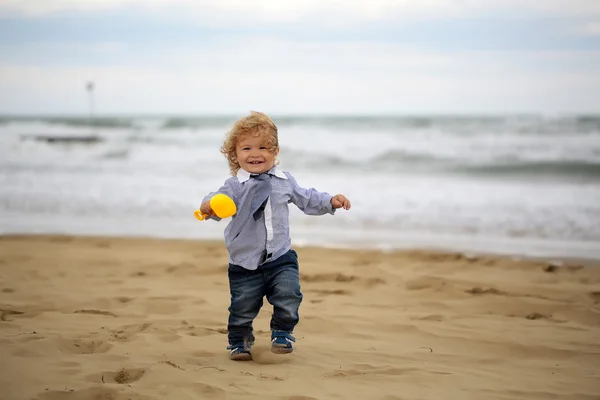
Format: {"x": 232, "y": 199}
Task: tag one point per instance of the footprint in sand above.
{"x": 182, "y": 269}
{"x": 551, "y": 268}
{"x": 203, "y": 331}
{"x": 329, "y": 278}
{"x": 8, "y": 290}
{"x": 80, "y": 346}
{"x": 479, "y": 291}
{"x": 95, "y": 312}
{"x": 341, "y": 278}
{"x": 127, "y": 332}
{"x": 327, "y": 292}
{"x": 595, "y": 296}
{"x": 124, "y": 299}
{"x": 5, "y": 314}
{"x": 209, "y": 391}
{"x": 123, "y": 376}
{"x": 536, "y": 315}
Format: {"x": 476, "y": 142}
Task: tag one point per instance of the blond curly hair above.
{"x": 256, "y": 124}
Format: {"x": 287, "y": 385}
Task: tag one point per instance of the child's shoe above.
{"x": 281, "y": 342}
{"x": 240, "y": 351}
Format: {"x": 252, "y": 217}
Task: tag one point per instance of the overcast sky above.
{"x": 298, "y": 57}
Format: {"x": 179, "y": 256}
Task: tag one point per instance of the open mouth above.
{"x": 255, "y": 162}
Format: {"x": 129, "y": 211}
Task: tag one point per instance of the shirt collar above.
{"x": 244, "y": 175}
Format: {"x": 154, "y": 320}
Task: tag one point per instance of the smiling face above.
{"x": 254, "y": 154}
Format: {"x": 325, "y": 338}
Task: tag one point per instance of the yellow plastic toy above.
{"x": 221, "y": 204}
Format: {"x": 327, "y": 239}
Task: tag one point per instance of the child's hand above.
{"x": 340, "y": 201}
{"x": 205, "y": 209}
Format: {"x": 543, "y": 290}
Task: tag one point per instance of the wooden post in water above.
{"x": 90, "y": 90}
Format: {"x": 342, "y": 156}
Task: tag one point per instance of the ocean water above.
{"x": 521, "y": 185}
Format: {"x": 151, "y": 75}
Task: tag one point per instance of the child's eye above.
{"x": 263, "y": 148}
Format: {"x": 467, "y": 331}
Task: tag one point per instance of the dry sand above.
{"x": 109, "y": 318}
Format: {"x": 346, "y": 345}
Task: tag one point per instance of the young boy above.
{"x": 261, "y": 261}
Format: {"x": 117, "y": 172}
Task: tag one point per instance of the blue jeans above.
{"x": 279, "y": 281}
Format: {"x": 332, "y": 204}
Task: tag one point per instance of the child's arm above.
{"x": 313, "y": 202}
{"x": 227, "y": 189}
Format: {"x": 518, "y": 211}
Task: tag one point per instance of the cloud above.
{"x": 330, "y": 10}
{"x": 138, "y": 31}
{"x": 592, "y": 29}
{"x": 312, "y": 56}
{"x": 298, "y": 77}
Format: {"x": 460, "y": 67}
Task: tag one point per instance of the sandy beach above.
{"x": 123, "y": 318}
